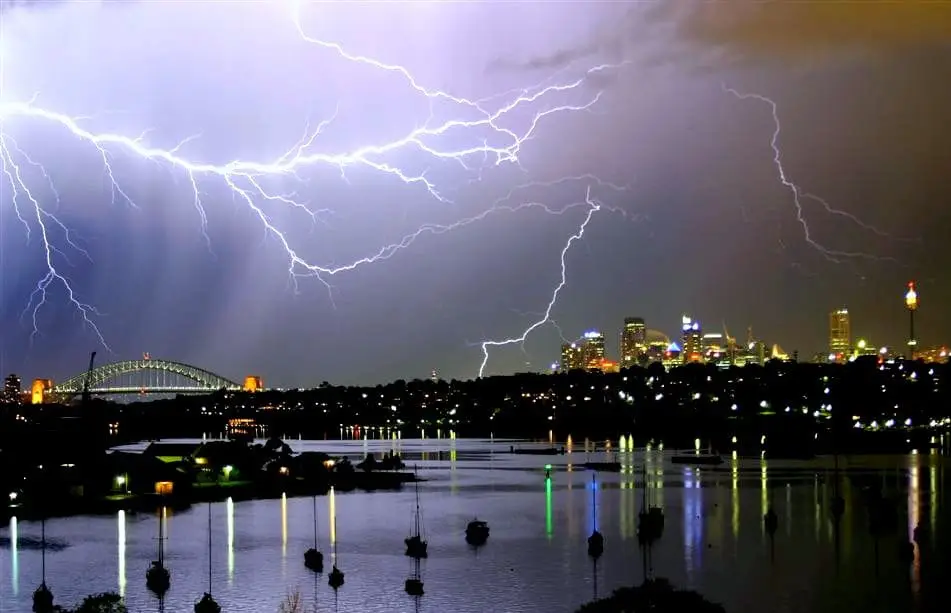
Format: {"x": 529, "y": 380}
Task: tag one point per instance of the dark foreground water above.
{"x": 535, "y": 559}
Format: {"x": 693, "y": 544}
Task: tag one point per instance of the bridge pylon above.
{"x": 253, "y": 383}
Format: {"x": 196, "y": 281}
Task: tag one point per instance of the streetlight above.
{"x": 911, "y": 303}
{"x": 121, "y": 481}
{"x": 227, "y": 471}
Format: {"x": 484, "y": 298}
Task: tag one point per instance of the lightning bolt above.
{"x": 593, "y": 207}
{"x": 798, "y": 195}
{"x": 247, "y": 179}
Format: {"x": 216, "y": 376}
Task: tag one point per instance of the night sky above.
{"x": 705, "y": 226}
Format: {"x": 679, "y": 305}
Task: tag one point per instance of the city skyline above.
{"x": 649, "y": 179}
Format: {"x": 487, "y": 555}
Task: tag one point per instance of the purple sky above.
{"x": 705, "y": 226}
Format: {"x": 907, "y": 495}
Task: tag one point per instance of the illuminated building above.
{"x": 936, "y": 354}
{"x": 840, "y": 335}
{"x": 253, "y": 383}
{"x": 911, "y": 303}
{"x": 572, "y": 357}
{"x": 12, "y": 388}
{"x": 592, "y": 348}
{"x": 671, "y": 356}
{"x": 38, "y": 390}
{"x": 863, "y": 348}
{"x": 633, "y": 342}
{"x": 657, "y": 343}
{"x": 691, "y": 341}
{"x": 609, "y": 366}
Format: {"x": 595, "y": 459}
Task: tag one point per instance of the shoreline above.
{"x": 238, "y": 492}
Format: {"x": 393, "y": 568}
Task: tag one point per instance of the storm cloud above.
{"x": 716, "y": 232}
{"x": 796, "y": 29}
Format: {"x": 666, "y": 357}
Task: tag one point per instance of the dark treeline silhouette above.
{"x": 655, "y": 595}
{"x": 806, "y": 407}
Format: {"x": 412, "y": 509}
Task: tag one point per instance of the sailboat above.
{"x": 313, "y": 559}
{"x": 207, "y": 604}
{"x": 335, "y": 580}
{"x": 157, "y": 577}
{"x": 416, "y": 547}
{"x": 43, "y": 597}
{"x": 596, "y": 540}
{"x": 650, "y": 519}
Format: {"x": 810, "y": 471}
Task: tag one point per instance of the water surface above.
{"x": 535, "y": 559}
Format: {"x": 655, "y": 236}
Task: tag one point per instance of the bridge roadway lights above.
{"x": 206, "y": 381}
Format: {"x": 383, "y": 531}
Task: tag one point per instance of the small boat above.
{"x": 650, "y": 519}
{"x": 43, "y": 599}
{"x": 313, "y": 559}
{"x": 414, "y": 586}
{"x": 596, "y": 540}
{"x": 335, "y": 579}
{"x": 477, "y": 532}
{"x": 698, "y": 460}
{"x": 157, "y": 577}
{"x": 416, "y": 547}
{"x": 207, "y": 604}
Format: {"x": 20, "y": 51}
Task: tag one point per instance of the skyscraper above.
{"x": 633, "y": 342}
{"x": 692, "y": 345}
{"x": 572, "y": 357}
{"x": 593, "y": 349}
{"x": 12, "y": 386}
{"x": 840, "y": 335}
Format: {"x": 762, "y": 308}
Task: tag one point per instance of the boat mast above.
{"x": 416, "y": 483}
{"x": 315, "y": 523}
{"x": 43, "y": 546}
{"x": 161, "y": 536}
{"x": 594, "y": 500}
{"x": 335, "y": 541}
{"x": 644, "y": 506}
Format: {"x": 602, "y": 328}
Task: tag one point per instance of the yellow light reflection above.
{"x": 332, "y": 512}
{"x": 735, "y": 495}
{"x": 283, "y": 525}
{"x": 14, "y": 556}
{"x": 229, "y": 511}
{"x": 569, "y": 444}
{"x": 789, "y": 511}
{"x": 914, "y": 515}
{"x": 933, "y": 496}
{"x": 764, "y": 481}
{"x": 548, "y": 519}
{"x": 453, "y": 475}
{"x": 120, "y": 521}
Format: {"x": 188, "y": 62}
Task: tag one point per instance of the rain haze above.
{"x": 620, "y": 111}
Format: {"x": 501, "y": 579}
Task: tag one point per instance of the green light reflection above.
{"x": 229, "y": 507}
{"x": 548, "y": 519}
{"x": 120, "y": 520}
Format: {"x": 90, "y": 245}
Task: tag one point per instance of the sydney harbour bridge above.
{"x": 143, "y": 376}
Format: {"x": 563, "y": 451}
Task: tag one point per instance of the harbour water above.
{"x": 535, "y": 560}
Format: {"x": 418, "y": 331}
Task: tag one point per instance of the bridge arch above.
{"x": 205, "y": 379}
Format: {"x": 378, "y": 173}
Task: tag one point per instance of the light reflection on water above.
{"x": 535, "y": 559}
